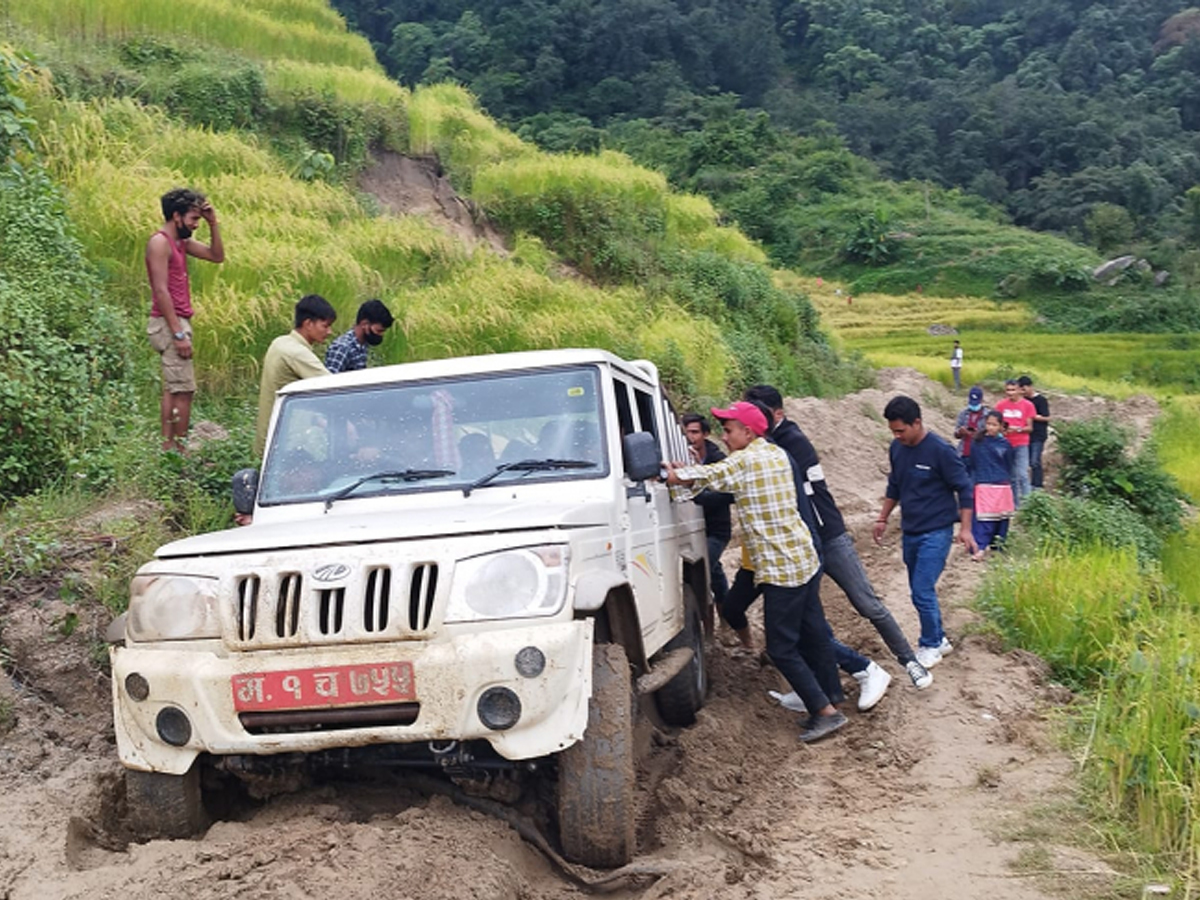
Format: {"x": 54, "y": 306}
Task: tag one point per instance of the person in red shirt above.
{"x": 170, "y": 328}
{"x": 1018, "y": 416}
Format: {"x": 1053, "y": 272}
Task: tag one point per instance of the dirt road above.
{"x": 923, "y": 797}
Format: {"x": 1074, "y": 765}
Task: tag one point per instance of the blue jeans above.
{"x": 716, "y": 572}
{"x": 925, "y": 557}
{"x": 1035, "y": 464}
{"x": 1020, "y": 474}
{"x": 846, "y": 569}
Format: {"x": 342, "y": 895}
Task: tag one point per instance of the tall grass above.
{"x": 445, "y": 119}
{"x": 1178, "y": 439}
{"x": 354, "y": 85}
{"x": 264, "y": 29}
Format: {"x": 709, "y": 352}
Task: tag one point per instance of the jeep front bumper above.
{"x": 199, "y": 691}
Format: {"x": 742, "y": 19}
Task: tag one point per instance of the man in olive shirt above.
{"x": 290, "y": 358}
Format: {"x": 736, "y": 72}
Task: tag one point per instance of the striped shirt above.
{"x": 764, "y": 491}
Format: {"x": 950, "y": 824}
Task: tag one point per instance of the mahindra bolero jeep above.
{"x": 468, "y": 564}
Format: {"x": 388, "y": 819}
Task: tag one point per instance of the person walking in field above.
{"x": 290, "y": 358}
{"x": 993, "y": 486}
{"x": 930, "y": 484}
{"x": 785, "y": 560}
{"x": 1041, "y": 430}
{"x": 348, "y": 353}
{"x": 170, "y": 326}
{"x": 956, "y": 361}
{"x": 1018, "y": 416}
{"x": 841, "y": 560}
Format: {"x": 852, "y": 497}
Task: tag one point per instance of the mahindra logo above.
{"x": 331, "y": 572}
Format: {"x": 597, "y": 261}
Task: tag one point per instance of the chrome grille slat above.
{"x": 287, "y": 607}
{"x": 247, "y": 607}
{"x": 421, "y": 591}
{"x": 377, "y": 600}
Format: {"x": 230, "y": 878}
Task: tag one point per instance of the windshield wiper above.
{"x": 527, "y": 465}
{"x": 396, "y": 475}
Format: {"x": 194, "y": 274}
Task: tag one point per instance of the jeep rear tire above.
{"x": 683, "y": 696}
{"x": 165, "y": 806}
{"x": 596, "y": 775}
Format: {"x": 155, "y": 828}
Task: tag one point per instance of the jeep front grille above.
{"x": 294, "y": 609}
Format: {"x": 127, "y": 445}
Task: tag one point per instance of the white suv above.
{"x": 467, "y": 563}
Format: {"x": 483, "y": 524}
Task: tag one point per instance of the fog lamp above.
{"x": 136, "y": 686}
{"x": 499, "y": 708}
{"x": 530, "y": 662}
{"x": 173, "y": 726}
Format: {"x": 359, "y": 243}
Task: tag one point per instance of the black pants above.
{"x": 800, "y": 642}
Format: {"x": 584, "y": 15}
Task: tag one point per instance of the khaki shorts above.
{"x": 179, "y": 376}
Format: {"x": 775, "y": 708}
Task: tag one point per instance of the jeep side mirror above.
{"x": 643, "y": 459}
{"x": 245, "y": 491}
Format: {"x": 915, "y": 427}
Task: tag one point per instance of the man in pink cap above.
{"x": 786, "y": 564}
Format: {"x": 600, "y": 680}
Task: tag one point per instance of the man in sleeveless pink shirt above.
{"x": 170, "y": 328}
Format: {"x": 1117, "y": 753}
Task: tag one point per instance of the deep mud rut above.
{"x": 922, "y": 797}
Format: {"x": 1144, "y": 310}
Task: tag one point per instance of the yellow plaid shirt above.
{"x": 760, "y": 479}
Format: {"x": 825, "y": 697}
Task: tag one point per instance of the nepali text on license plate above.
{"x": 331, "y": 686}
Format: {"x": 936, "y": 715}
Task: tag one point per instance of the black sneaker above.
{"x": 818, "y": 727}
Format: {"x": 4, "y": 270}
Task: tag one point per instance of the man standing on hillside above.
{"x": 718, "y": 522}
{"x": 786, "y": 565}
{"x": 1041, "y": 430}
{"x": 927, "y": 475}
{"x": 956, "y": 361}
{"x": 1018, "y": 416}
{"x": 290, "y": 358}
{"x": 349, "y": 352}
{"x": 842, "y": 563}
{"x": 170, "y": 327}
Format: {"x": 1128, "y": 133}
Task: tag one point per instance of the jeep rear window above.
{"x": 468, "y": 426}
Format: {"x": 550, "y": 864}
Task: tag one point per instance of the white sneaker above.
{"x": 929, "y": 656}
{"x": 921, "y": 676}
{"x": 945, "y": 646}
{"x": 790, "y": 700}
{"x": 873, "y": 683}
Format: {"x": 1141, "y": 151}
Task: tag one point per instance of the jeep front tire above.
{"x": 159, "y": 805}
{"x": 596, "y": 775}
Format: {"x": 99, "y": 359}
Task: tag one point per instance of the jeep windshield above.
{"x": 451, "y": 433}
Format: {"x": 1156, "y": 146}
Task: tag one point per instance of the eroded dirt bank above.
{"x": 919, "y": 798}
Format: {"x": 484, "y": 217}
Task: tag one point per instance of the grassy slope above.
{"x": 286, "y": 237}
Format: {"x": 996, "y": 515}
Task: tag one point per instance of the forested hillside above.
{"x": 1071, "y": 115}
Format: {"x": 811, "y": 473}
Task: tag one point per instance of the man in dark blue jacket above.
{"x": 841, "y": 560}
{"x": 931, "y": 485}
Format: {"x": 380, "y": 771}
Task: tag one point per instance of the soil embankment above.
{"x": 924, "y": 797}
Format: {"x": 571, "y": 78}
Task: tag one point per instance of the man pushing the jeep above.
{"x": 170, "y": 326}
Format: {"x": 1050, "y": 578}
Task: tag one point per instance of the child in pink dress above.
{"x": 991, "y": 455}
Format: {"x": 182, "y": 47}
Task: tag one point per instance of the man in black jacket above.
{"x": 718, "y": 526}
{"x": 842, "y": 563}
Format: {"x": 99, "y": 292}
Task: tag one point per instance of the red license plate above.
{"x": 316, "y": 688}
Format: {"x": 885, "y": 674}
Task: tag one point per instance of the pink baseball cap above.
{"x": 746, "y": 413}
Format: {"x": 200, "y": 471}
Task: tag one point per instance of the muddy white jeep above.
{"x": 467, "y": 564}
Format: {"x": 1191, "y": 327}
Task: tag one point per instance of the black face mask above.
{"x": 373, "y": 339}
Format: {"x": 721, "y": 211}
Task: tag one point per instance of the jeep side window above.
{"x": 645, "y": 408}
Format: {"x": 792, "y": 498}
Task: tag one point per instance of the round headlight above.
{"x": 505, "y": 585}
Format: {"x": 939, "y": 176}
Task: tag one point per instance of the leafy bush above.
{"x": 63, "y": 367}
{"x": 1053, "y": 522}
{"x": 1098, "y": 466}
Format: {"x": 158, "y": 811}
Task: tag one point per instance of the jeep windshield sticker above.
{"x": 450, "y": 434}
